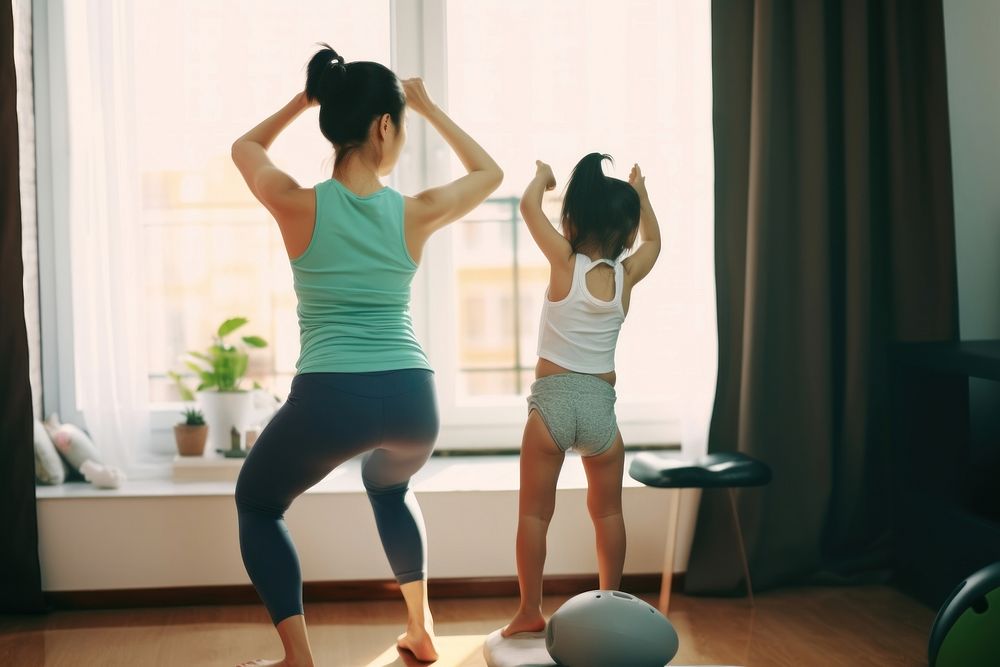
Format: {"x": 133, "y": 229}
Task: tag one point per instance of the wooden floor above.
{"x": 801, "y": 627}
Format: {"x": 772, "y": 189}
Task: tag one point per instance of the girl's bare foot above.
{"x": 419, "y": 642}
{"x": 525, "y": 621}
{"x": 284, "y": 662}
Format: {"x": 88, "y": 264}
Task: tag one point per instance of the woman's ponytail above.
{"x": 351, "y": 96}
{"x": 325, "y": 71}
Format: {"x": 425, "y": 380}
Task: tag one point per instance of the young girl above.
{"x": 572, "y": 400}
{"x": 363, "y": 384}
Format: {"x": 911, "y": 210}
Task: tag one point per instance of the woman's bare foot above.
{"x": 294, "y": 640}
{"x": 419, "y": 642}
{"x": 525, "y": 621}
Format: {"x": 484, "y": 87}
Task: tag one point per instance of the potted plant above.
{"x": 220, "y": 370}
{"x": 191, "y": 434}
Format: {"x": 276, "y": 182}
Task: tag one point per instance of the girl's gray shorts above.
{"x": 578, "y": 409}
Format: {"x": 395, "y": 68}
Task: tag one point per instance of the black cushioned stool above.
{"x": 713, "y": 471}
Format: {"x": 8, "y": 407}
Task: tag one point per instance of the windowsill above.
{"x": 441, "y": 474}
{"x": 474, "y": 432}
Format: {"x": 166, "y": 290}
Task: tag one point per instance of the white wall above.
{"x": 111, "y": 542}
{"x": 972, "y": 44}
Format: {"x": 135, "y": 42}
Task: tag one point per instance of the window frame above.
{"x": 52, "y": 177}
{"x": 418, "y": 47}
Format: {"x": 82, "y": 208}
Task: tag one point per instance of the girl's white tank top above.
{"x": 580, "y": 332}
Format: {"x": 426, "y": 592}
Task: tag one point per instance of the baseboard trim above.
{"x": 338, "y": 591}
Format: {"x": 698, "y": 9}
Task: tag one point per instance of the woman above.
{"x": 363, "y": 384}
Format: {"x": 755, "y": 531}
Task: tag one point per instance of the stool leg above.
{"x": 668, "y": 552}
{"x": 739, "y": 536}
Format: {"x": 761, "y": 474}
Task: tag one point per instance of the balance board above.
{"x": 526, "y": 649}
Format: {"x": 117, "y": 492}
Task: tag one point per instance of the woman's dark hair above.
{"x": 599, "y": 211}
{"x": 351, "y": 96}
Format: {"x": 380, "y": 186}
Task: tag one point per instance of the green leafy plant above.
{"x": 222, "y": 366}
{"x": 193, "y": 417}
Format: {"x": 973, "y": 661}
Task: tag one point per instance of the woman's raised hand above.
{"x": 544, "y": 172}
{"x": 417, "y": 97}
{"x": 302, "y": 100}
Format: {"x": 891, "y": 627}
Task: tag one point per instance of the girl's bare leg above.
{"x": 541, "y": 461}
{"x": 295, "y": 640}
{"x": 419, "y": 636}
{"x": 604, "y": 501}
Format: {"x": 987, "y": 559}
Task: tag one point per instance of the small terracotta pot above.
{"x": 191, "y": 439}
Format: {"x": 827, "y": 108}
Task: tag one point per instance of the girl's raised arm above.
{"x": 553, "y": 245}
{"x": 434, "y": 208}
{"x": 641, "y": 261}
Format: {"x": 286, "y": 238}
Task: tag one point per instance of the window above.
{"x": 212, "y": 250}
{"x": 632, "y": 79}
{"x": 495, "y": 348}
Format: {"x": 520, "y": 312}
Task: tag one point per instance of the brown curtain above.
{"x": 20, "y": 581}
{"x": 834, "y": 238}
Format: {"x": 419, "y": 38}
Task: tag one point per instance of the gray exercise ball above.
{"x": 602, "y": 628}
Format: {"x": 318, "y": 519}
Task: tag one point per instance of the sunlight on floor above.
{"x": 454, "y": 651}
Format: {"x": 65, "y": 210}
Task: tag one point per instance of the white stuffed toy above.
{"x": 49, "y": 468}
{"x": 79, "y": 451}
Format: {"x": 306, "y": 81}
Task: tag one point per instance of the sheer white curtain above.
{"x": 106, "y": 262}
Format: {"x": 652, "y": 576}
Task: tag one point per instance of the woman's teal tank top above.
{"x": 353, "y": 286}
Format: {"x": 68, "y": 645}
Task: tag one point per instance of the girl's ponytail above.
{"x": 598, "y": 211}
{"x": 587, "y": 183}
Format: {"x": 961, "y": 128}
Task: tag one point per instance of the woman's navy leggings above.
{"x": 389, "y": 416}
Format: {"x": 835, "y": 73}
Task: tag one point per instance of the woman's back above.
{"x": 353, "y": 285}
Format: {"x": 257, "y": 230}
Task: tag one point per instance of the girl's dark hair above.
{"x": 599, "y": 211}
{"x": 351, "y": 96}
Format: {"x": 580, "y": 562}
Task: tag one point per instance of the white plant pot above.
{"x": 223, "y": 410}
